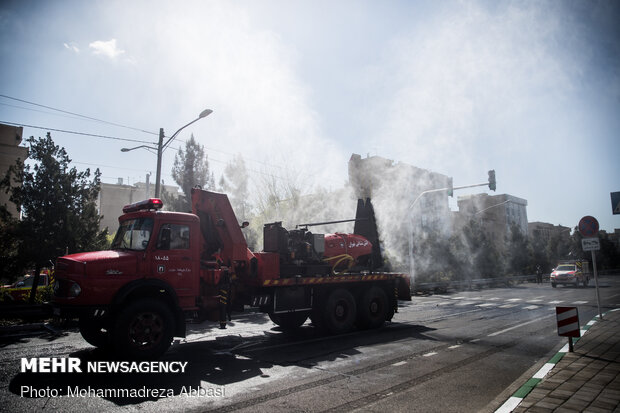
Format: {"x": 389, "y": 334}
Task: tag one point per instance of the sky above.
{"x": 530, "y": 89}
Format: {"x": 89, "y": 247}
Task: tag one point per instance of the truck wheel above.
{"x": 289, "y": 321}
{"x": 340, "y": 312}
{"x": 373, "y": 308}
{"x": 144, "y": 329}
{"x": 94, "y": 332}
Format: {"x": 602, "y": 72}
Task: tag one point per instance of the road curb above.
{"x": 514, "y": 401}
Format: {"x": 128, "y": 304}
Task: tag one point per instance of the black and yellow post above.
{"x": 395, "y": 298}
{"x": 223, "y": 306}
{"x": 224, "y": 298}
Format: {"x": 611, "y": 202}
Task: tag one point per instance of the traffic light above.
{"x": 492, "y": 179}
{"x": 450, "y": 187}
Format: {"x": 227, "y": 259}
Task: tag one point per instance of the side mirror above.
{"x": 245, "y": 224}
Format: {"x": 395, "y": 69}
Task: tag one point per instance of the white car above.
{"x": 569, "y": 274}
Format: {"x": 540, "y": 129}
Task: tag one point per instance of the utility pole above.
{"x": 159, "y": 153}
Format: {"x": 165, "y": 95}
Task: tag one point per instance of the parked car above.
{"x": 571, "y": 273}
{"x": 20, "y": 289}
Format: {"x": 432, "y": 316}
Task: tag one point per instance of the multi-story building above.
{"x": 544, "y": 230}
{"x": 496, "y": 213}
{"x": 10, "y": 151}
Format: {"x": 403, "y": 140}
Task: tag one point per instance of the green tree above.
{"x": 539, "y": 253}
{"x": 608, "y": 257}
{"x": 559, "y": 247}
{"x": 518, "y": 253}
{"x": 190, "y": 169}
{"x": 234, "y": 183}
{"x": 58, "y": 204}
{"x": 484, "y": 258}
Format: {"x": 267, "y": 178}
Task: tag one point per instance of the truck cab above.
{"x": 154, "y": 258}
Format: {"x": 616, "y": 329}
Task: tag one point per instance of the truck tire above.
{"x": 373, "y": 308}
{"x": 144, "y": 329}
{"x": 94, "y": 332}
{"x": 340, "y": 312}
{"x": 289, "y": 321}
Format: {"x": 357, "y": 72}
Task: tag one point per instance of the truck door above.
{"x": 174, "y": 263}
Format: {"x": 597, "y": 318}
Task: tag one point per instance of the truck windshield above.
{"x": 133, "y": 234}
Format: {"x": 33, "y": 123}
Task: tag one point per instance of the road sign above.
{"x": 588, "y": 226}
{"x": 615, "y": 203}
{"x": 590, "y": 244}
{"x": 568, "y": 324}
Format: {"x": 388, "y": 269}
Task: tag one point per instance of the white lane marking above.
{"x": 531, "y": 307}
{"x": 543, "y": 371}
{"x": 518, "y": 326}
{"x": 464, "y": 303}
{"x": 400, "y": 363}
{"x": 455, "y": 346}
{"x": 486, "y": 305}
{"x": 507, "y": 305}
{"x": 514, "y": 299}
{"x": 534, "y": 301}
{"x": 510, "y": 405}
{"x": 555, "y": 302}
{"x": 580, "y": 302}
{"x": 429, "y": 354}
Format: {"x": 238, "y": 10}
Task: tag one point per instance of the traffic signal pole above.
{"x": 450, "y": 190}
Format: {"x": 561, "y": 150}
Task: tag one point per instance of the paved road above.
{"x": 465, "y": 351}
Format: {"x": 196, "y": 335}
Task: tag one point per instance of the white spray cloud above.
{"x": 217, "y": 57}
{"x": 454, "y": 87}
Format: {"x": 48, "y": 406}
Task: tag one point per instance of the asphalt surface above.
{"x": 462, "y": 351}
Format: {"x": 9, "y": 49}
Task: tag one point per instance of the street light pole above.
{"x": 161, "y": 146}
{"x": 159, "y": 153}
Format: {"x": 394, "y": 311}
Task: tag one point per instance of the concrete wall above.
{"x": 113, "y": 197}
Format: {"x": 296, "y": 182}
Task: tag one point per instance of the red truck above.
{"x": 166, "y": 268}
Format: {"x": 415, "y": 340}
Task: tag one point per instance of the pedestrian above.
{"x": 538, "y": 275}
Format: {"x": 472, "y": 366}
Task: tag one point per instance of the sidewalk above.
{"x": 586, "y": 380}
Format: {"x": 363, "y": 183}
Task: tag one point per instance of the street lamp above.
{"x": 162, "y": 146}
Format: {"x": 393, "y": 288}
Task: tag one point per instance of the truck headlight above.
{"x": 75, "y": 290}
